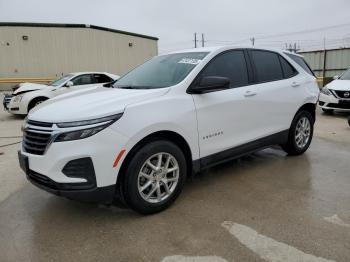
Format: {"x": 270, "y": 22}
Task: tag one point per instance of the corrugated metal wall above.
{"x": 337, "y": 61}
{"x": 53, "y": 51}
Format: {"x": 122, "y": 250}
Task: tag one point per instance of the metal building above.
{"x": 36, "y": 52}
{"x": 328, "y": 63}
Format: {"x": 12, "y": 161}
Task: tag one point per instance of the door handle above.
{"x": 295, "y": 84}
{"x": 249, "y": 93}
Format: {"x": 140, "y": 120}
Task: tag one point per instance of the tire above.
{"x": 297, "y": 143}
{"x": 138, "y": 186}
{"x": 35, "y": 102}
{"x": 328, "y": 111}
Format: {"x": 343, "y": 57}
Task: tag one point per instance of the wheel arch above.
{"x": 171, "y": 136}
{"x": 34, "y": 100}
{"x": 309, "y": 107}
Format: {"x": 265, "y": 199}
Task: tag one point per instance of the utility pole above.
{"x": 252, "y": 40}
{"x": 195, "y": 40}
{"x": 202, "y": 40}
{"x": 324, "y": 60}
{"x": 293, "y": 47}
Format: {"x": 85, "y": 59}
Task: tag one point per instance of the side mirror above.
{"x": 209, "y": 84}
{"x": 335, "y": 77}
{"x": 69, "y": 84}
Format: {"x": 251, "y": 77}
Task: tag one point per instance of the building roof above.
{"x": 226, "y": 47}
{"x": 20, "y": 24}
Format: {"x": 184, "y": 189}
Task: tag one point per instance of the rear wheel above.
{"x": 154, "y": 177}
{"x": 300, "y": 134}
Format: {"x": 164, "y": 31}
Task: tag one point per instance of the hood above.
{"x": 90, "y": 105}
{"x": 341, "y": 85}
{"x": 26, "y": 87}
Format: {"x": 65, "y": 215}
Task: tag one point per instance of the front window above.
{"x": 61, "y": 80}
{"x": 345, "y": 75}
{"x": 161, "y": 71}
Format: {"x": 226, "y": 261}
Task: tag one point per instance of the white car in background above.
{"x": 336, "y": 95}
{"x": 29, "y": 95}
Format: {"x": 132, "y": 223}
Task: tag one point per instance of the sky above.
{"x": 273, "y": 23}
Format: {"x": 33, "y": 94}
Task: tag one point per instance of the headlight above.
{"x": 17, "y": 98}
{"x": 89, "y": 128}
{"x": 326, "y": 91}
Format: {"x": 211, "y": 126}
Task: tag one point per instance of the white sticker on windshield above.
{"x": 191, "y": 61}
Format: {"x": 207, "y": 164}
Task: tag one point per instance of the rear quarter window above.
{"x": 288, "y": 70}
{"x": 300, "y": 61}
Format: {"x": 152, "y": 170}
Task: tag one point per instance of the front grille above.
{"x": 36, "y": 137}
{"x": 343, "y": 94}
{"x": 7, "y": 99}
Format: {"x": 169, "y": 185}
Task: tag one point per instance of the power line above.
{"x": 304, "y": 31}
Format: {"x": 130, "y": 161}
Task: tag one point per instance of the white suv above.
{"x": 174, "y": 115}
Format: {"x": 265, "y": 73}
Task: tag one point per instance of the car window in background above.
{"x": 83, "y": 80}
{"x": 300, "y": 61}
{"x": 61, "y": 80}
{"x": 230, "y": 64}
{"x": 101, "y": 78}
{"x": 267, "y": 66}
{"x": 161, "y": 71}
{"x": 345, "y": 75}
{"x": 288, "y": 69}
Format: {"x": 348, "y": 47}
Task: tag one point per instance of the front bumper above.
{"x": 95, "y": 194}
{"x": 49, "y": 171}
{"x": 330, "y": 102}
{"x": 17, "y": 108}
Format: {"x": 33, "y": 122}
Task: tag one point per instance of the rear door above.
{"x": 276, "y": 97}
{"x": 101, "y": 79}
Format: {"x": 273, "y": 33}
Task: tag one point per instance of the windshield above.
{"x": 61, "y": 80}
{"x": 345, "y": 75}
{"x": 161, "y": 71}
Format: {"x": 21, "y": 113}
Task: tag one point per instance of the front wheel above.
{"x": 300, "y": 134}
{"x": 154, "y": 177}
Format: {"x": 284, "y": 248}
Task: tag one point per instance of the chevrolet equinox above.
{"x": 168, "y": 118}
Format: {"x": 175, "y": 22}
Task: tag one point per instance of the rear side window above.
{"x": 267, "y": 66}
{"x": 230, "y": 64}
{"x": 300, "y": 61}
{"x": 99, "y": 78}
{"x": 288, "y": 69}
{"x": 83, "y": 80}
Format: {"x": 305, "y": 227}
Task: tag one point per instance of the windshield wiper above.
{"x": 137, "y": 87}
{"x": 126, "y": 87}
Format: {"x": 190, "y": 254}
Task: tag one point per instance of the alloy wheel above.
{"x": 302, "y": 132}
{"x": 158, "y": 177}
